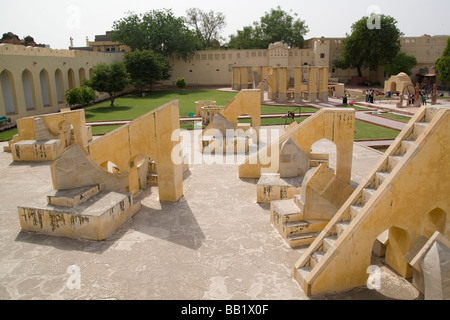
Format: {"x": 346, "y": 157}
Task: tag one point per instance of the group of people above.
{"x": 369, "y": 95}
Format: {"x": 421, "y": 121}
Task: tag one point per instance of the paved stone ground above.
{"x": 214, "y": 243}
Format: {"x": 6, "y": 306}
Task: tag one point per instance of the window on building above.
{"x": 322, "y": 56}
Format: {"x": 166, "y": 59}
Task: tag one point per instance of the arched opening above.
{"x": 324, "y": 151}
{"x": 71, "y": 77}
{"x": 435, "y": 221}
{"x": 82, "y": 75}
{"x": 393, "y": 87}
{"x": 91, "y": 73}
{"x": 45, "y": 88}
{"x": 28, "y": 90}
{"x": 397, "y": 247}
{"x": 8, "y": 92}
{"x": 59, "y": 86}
{"x": 110, "y": 167}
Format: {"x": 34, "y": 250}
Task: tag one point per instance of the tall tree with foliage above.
{"x": 157, "y": 30}
{"x": 207, "y": 26}
{"x": 276, "y": 25}
{"x": 401, "y": 63}
{"x": 146, "y": 67}
{"x": 109, "y": 78}
{"x": 82, "y": 95}
{"x": 370, "y": 47}
{"x": 443, "y": 65}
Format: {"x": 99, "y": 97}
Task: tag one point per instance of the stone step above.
{"x": 315, "y": 258}
{"x": 419, "y": 128}
{"x": 405, "y": 146}
{"x": 328, "y": 242}
{"x": 380, "y": 177}
{"x": 303, "y": 227}
{"x": 341, "y": 226}
{"x": 304, "y": 272}
{"x": 298, "y": 202}
{"x": 367, "y": 194}
{"x": 355, "y": 209}
{"x": 393, "y": 162}
{"x": 284, "y": 211}
{"x": 72, "y": 197}
{"x": 302, "y": 240}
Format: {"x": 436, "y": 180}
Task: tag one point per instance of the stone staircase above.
{"x": 352, "y": 214}
{"x": 288, "y": 218}
{"x": 86, "y": 212}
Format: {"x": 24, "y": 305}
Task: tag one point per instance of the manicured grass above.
{"x": 394, "y": 116}
{"x": 286, "y": 109}
{"x": 368, "y": 131}
{"x": 8, "y": 135}
{"x": 132, "y": 106}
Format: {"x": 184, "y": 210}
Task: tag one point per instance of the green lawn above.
{"x": 368, "y": 131}
{"x": 8, "y": 135}
{"x": 394, "y": 116}
{"x": 131, "y": 106}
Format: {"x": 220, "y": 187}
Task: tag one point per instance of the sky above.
{"x": 54, "y": 22}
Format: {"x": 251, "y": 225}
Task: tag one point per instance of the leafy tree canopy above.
{"x": 157, "y": 30}
{"x": 369, "y": 47}
{"x": 207, "y": 26}
{"x": 401, "y": 63}
{"x": 109, "y": 78}
{"x": 146, "y": 67}
{"x": 443, "y": 65}
{"x": 276, "y": 25}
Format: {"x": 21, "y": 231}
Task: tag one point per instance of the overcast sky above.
{"x": 53, "y": 22}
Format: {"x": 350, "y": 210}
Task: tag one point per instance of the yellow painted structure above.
{"x": 44, "y": 138}
{"x": 336, "y": 125}
{"x": 148, "y": 136}
{"x": 246, "y": 102}
{"x": 405, "y": 193}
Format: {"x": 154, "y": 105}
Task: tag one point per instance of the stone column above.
{"x": 417, "y": 96}
{"x": 244, "y": 78}
{"x": 312, "y": 84}
{"x": 434, "y": 95}
{"x": 236, "y": 78}
{"x": 282, "y": 84}
{"x": 298, "y": 85}
{"x": 272, "y": 85}
{"x": 323, "y": 84}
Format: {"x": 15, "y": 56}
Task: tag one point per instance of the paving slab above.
{"x": 216, "y": 242}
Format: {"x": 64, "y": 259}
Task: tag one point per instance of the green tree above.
{"x": 146, "y": 67}
{"x": 181, "y": 83}
{"x": 276, "y": 25}
{"x": 109, "y": 78}
{"x": 207, "y": 26}
{"x": 369, "y": 47}
{"x": 401, "y": 63}
{"x": 443, "y": 65}
{"x": 80, "y": 96}
{"x": 157, "y": 30}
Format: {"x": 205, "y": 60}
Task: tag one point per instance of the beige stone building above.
{"x": 34, "y": 80}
